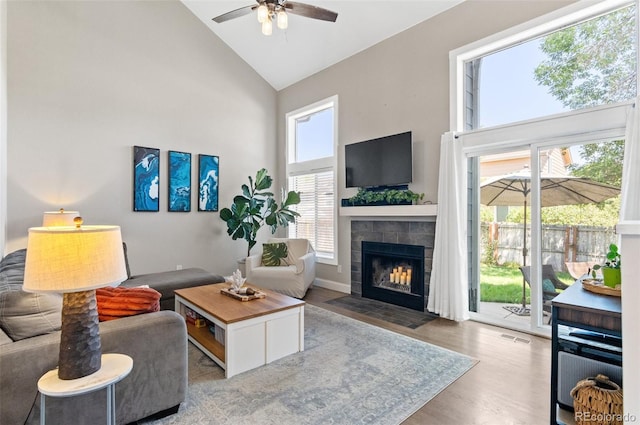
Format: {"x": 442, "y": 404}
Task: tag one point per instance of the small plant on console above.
{"x": 611, "y": 268}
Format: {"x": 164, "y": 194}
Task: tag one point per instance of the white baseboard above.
{"x": 334, "y": 286}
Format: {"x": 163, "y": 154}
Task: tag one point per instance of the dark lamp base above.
{"x": 80, "y": 349}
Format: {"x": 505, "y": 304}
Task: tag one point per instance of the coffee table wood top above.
{"x": 230, "y": 310}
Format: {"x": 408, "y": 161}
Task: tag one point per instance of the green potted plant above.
{"x": 384, "y": 197}
{"x": 611, "y": 275}
{"x": 256, "y": 207}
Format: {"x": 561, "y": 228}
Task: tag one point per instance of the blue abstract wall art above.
{"x": 179, "y": 181}
{"x": 208, "y": 172}
{"x": 146, "y": 179}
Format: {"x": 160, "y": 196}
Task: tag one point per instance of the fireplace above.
{"x": 393, "y": 273}
{"x": 397, "y": 233}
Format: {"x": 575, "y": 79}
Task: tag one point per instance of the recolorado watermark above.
{"x": 604, "y": 417}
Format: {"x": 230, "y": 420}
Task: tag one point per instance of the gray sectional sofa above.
{"x": 30, "y": 338}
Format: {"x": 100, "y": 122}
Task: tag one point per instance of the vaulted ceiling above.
{"x": 309, "y": 45}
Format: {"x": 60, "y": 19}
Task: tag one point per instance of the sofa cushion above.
{"x": 275, "y": 254}
{"x": 12, "y": 270}
{"x": 4, "y": 338}
{"x": 296, "y": 247}
{"x": 25, "y": 314}
{"x": 114, "y": 303}
{"x": 167, "y": 282}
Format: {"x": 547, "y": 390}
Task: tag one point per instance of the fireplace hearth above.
{"x": 393, "y": 273}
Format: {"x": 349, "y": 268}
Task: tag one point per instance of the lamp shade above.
{"x": 59, "y": 218}
{"x": 73, "y": 259}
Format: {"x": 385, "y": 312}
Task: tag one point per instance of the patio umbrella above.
{"x": 515, "y": 189}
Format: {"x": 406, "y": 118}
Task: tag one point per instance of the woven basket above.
{"x": 597, "y": 401}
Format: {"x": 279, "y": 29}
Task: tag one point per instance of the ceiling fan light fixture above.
{"x": 267, "y": 27}
{"x": 277, "y": 11}
{"x": 263, "y": 13}
{"x": 283, "y": 20}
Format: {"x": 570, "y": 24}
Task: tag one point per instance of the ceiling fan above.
{"x": 270, "y": 10}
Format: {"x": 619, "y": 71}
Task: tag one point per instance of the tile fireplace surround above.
{"x": 391, "y": 231}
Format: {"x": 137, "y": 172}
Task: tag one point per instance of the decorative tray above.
{"x": 243, "y": 297}
{"x": 595, "y": 285}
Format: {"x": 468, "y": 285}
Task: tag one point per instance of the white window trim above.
{"x": 316, "y": 165}
{"x": 606, "y": 122}
{"x": 295, "y": 167}
{"x": 537, "y": 27}
{"x": 601, "y": 122}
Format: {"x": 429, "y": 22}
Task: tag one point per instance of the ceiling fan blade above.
{"x": 234, "y": 14}
{"x": 309, "y": 11}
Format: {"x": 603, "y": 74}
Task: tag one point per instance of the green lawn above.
{"x": 504, "y": 284}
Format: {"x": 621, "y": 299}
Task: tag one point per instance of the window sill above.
{"x": 328, "y": 261}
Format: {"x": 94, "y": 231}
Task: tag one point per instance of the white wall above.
{"x": 87, "y": 81}
{"x": 402, "y": 84}
{"x": 3, "y": 124}
{"x": 629, "y": 232}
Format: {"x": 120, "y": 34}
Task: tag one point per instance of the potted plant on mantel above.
{"x": 254, "y": 208}
{"x": 611, "y": 275}
{"x": 386, "y": 196}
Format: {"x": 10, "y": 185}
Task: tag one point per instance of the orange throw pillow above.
{"x": 114, "y": 303}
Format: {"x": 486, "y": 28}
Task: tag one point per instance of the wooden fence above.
{"x": 502, "y": 243}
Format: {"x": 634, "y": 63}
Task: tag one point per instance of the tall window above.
{"x": 311, "y": 170}
{"x": 547, "y": 98}
{"x": 587, "y": 64}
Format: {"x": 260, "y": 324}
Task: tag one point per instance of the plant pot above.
{"x": 242, "y": 266}
{"x": 611, "y": 277}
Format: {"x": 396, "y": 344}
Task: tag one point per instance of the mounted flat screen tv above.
{"x": 385, "y": 161}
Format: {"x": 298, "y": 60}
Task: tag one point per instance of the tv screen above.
{"x": 385, "y": 161}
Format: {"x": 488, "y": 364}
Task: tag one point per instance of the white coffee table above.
{"x": 255, "y": 332}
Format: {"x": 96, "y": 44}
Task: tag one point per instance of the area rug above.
{"x": 380, "y": 310}
{"x": 350, "y": 373}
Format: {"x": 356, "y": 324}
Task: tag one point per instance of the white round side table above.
{"x": 113, "y": 369}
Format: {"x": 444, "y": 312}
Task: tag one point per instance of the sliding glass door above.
{"x": 542, "y": 214}
{"x": 502, "y": 233}
{"x": 543, "y": 98}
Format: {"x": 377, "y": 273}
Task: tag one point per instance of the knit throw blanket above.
{"x": 114, "y": 303}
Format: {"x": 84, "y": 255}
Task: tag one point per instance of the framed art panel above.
{"x": 179, "y": 182}
{"x": 208, "y": 174}
{"x": 146, "y": 178}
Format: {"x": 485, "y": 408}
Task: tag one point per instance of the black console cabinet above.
{"x": 582, "y": 310}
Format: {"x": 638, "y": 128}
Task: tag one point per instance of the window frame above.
{"x": 318, "y": 165}
{"x": 538, "y": 27}
{"x": 602, "y": 122}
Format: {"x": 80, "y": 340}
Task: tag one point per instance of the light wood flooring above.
{"x": 509, "y": 385}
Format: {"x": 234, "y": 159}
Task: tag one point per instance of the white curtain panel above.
{"x": 630, "y": 197}
{"x": 448, "y": 289}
